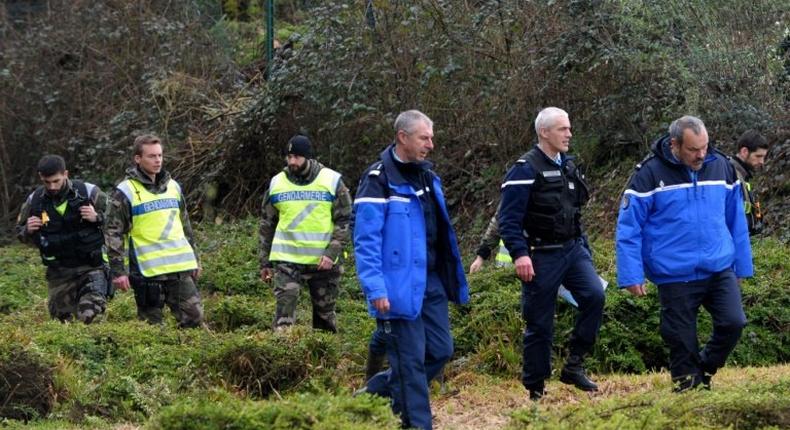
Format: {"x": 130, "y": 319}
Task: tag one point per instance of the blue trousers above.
{"x": 720, "y": 295}
{"x": 417, "y": 351}
{"x": 571, "y": 266}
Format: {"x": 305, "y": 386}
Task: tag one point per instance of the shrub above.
{"x": 302, "y": 412}
{"x": 268, "y": 362}
{"x": 228, "y": 313}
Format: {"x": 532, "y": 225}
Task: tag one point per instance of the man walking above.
{"x": 681, "y": 224}
{"x": 542, "y": 196}
{"x": 304, "y": 228}
{"x": 409, "y": 267}
{"x": 64, "y": 219}
{"x": 148, "y": 219}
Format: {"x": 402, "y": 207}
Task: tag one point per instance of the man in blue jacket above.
{"x": 681, "y": 224}
{"x": 540, "y": 223}
{"x": 409, "y": 266}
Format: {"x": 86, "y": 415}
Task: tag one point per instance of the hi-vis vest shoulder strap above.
{"x": 305, "y": 221}
{"x": 157, "y": 235}
{"x": 503, "y": 256}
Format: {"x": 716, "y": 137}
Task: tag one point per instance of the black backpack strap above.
{"x": 37, "y": 201}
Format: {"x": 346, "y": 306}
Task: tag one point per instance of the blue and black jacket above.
{"x": 678, "y": 225}
{"x": 390, "y": 242}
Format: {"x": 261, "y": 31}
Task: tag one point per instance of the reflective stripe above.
{"x": 153, "y": 263}
{"x": 300, "y": 235}
{"x": 125, "y": 188}
{"x": 681, "y": 186}
{"x": 370, "y": 200}
{"x": 302, "y": 215}
{"x": 298, "y": 250}
{"x": 169, "y": 225}
{"x": 520, "y": 182}
{"x": 159, "y": 246}
{"x": 379, "y": 200}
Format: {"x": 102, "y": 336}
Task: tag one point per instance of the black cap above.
{"x": 300, "y": 145}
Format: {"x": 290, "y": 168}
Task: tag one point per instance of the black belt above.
{"x": 548, "y": 245}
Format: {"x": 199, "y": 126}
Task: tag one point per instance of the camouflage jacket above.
{"x": 119, "y": 222}
{"x": 341, "y": 215}
{"x": 100, "y": 204}
{"x": 490, "y": 242}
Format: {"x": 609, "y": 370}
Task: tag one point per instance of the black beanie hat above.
{"x": 300, "y": 145}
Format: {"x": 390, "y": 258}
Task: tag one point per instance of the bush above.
{"x": 228, "y": 313}
{"x": 302, "y": 412}
{"x": 268, "y": 362}
{"x": 229, "y": 254}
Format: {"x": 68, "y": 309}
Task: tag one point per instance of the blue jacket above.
{"x": 390, "y": 242}
{"x": 678, "y": 225}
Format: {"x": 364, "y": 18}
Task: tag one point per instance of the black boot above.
{"x": 374, "y": 364}
{"x": 573, "y": 374}
{"x": 536, "y": 391}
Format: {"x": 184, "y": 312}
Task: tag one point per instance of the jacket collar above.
{"x": 564, "y": 157}
{"x": 747, "y": 169}
{"x": 392, "y": 166}
{"x": 135, "y": 173}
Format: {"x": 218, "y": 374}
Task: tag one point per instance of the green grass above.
{"x": 122, "y": 373}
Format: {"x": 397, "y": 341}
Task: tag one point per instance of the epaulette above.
{"x": 523, "y": 158}
{"x": 644, "y": 160}
{"x": 375, "y": 170}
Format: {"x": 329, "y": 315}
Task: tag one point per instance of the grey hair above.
{"x": 683, "y": 123}
{"x": 407, "y": 121}
{"x": 546, "y": 118}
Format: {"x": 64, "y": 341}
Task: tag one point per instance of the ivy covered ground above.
{"x": 237, "y": 373}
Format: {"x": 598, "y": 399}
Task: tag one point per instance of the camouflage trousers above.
{"x": 178, "y": 292}
{"x": 80, "y": 292}
{"x": 323, "y": 285}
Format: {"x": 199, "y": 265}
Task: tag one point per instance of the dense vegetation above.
{"x": 82, "y": 78}
{"x": 236, "y": 369}
{"x": 83, "y": 81}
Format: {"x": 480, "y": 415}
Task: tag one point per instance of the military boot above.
{"x": 374, "y": 364}
{"x": 536, "y": 391}
{"x": 573, "y": 374}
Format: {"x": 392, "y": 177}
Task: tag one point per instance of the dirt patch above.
{"x": 26, "y": 389}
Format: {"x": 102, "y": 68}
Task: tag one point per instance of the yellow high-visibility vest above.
{"x": 503, "y": 256}
{"x": 305, "y": 221}
{"x": 157, "y": 236}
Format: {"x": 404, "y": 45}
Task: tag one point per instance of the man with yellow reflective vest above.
{"x": 64, "y": 218}
{"x": 752, "y": 150}
{"x": 303, "y": 230}
{"x": 148, "y": 221}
